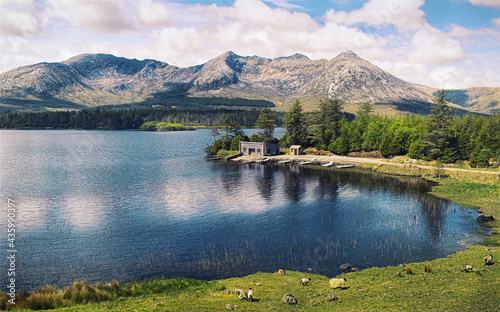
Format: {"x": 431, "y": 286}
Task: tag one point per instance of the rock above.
{"x": 281, "y": 272}
{"x": 289, "y": 298}
{"x": 345, "y": 266}
{"x": 331, "y": 297}
{"x": 484, "y": 218}
{"x": 355, "y": 269}
{"x": 229, "y": 306}
{"x": 229, "y": 291}
{"x": 258, "y": 284}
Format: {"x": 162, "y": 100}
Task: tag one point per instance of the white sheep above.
{"x": 337, "y": 282}
{"x": 304, "y": 280}
{"x": 488, "y": 260}
{"x": 468, "y": 268}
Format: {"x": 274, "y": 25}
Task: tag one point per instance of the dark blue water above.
{"x": 126, "y": 205}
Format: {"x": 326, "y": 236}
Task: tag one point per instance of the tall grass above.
{"x": 50, "y": 297}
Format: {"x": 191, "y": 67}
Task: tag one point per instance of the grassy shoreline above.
{"x": 437, "y": 285}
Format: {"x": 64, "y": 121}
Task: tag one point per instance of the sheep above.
{"x": 305, "y": 280}
{"x": 488, "y": 260}
{"x": 337, "y": 282}
{"x": 468, "y": 268}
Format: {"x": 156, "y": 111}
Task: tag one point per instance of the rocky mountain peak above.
{"x": 296, "y": 56}
{"x": 104, "y": 79}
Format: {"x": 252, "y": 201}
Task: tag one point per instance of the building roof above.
{"x": 296, "y": 146}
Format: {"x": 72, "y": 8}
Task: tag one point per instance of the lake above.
{"x": 129, "y": 205}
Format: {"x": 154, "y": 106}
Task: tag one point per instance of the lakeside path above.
{"x": 350, "y": 160}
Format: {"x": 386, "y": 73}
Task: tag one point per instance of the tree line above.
{"x": 439, "y": 136}
{"x": 117, "y": 119}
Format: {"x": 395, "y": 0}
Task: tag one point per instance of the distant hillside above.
{"x": 479, "y": 100}
{"x": 91, "y": 80}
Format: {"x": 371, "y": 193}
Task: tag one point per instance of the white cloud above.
{"x": 20, "y": 18}
{"x": 112, "y": 16}
{"x": 496, "y": 22}
{"x": 405, "y": 15}
{"x": 490, "y": 3}
{"x": 433, "y": 47}
{"x": 151, "y": 13}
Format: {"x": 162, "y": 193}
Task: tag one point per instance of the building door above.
{"x": 251, "y": 151}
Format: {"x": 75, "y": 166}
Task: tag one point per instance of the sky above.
{"x": 448, "y": 44}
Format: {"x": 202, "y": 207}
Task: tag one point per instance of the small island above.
{"x": 164, "y": 126}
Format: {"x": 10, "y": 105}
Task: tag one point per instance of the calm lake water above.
{"x": 126, "y": 205}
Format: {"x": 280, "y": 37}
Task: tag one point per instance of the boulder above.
{"x": 484, "y": 218}
{"x": 345, "y": 266}
{"x": 229, "y": 306}
{"x": 289, "y": 298}
{"x": 331, "y": 297}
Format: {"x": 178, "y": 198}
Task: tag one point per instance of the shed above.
{"x": 259, "y": 148}
{"x": 296, "y": 150}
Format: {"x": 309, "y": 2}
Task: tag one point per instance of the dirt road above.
{"x": 350, "y": 160}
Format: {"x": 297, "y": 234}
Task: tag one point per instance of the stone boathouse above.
{"x": 259, "y": 148}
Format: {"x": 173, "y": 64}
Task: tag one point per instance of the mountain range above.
{"x": 91, "y": 80}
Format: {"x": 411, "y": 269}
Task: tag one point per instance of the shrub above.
{"x": 3, "y": 300}
{"x": 82, "y": 292}
{"x": 427, "y": 269}
{"x": 44, "y": 300}
{"x": 409, "y": 270}
{"x": 223, "y": 153}
{"x": 482, "y": 159}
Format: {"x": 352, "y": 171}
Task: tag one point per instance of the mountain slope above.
{"x": 90, "y": 80}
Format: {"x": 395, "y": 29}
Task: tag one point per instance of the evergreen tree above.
{"x": 439, "y": 132}
{"x": 226, "y": 128}
{"x": 341, "y": 143}
{"x": 329, "y": 117}
{"x": 266, "y": 122}
{"x": 214, "y": 132}
{"x": 295, "y": 125}
{"x": 365, "y": 109}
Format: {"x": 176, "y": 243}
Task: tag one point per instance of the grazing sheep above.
{"x": 468, "y": 268}
{"x": 305, "y": 280}
{"x": 238, "y": 290}
{"x": 243, "y": 295}
{"x": 488, "y": 260}
{"x": 337, "y": 282}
